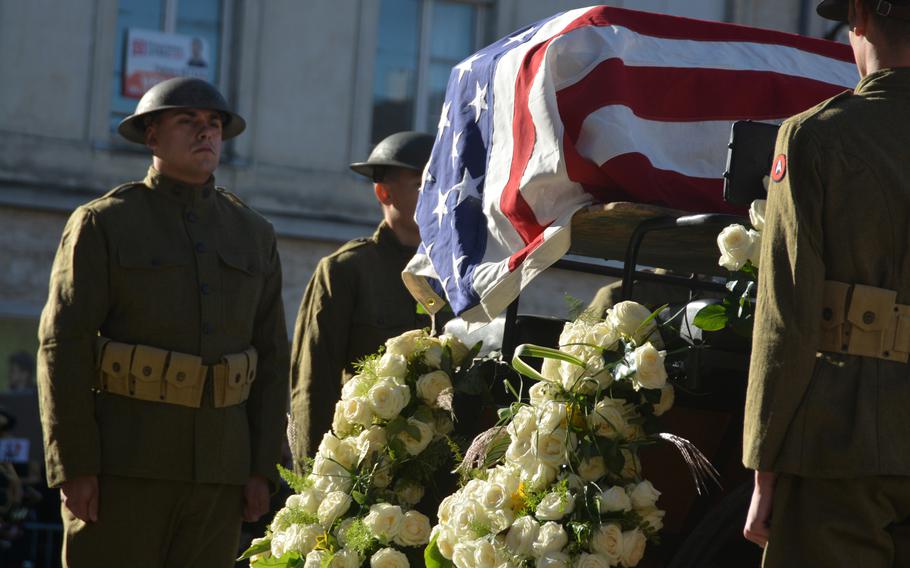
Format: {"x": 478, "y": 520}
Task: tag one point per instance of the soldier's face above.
{"x": 186, "y": 143}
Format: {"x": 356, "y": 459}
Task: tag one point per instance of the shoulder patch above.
{"x": 779, "y": 168}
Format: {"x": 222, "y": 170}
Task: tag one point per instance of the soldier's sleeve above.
{"x": 76, "y": 307}
{"x": 789, "y": 305}
{"x": 319, "y": 353}
{"x": 269, "y": 393}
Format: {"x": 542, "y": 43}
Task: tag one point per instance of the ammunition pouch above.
{"x": 157, "y": 375}
{"x": 865, "y": 321}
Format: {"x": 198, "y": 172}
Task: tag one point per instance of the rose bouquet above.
{"x": 355, "y": 502}
{"x": 559, "y": 482}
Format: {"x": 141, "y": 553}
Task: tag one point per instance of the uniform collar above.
{"x": 193, "y": 195}
{"x": 893, "y": 80}
{"x": 385, "y": 236}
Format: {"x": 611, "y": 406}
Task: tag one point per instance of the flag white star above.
{"x": 465, "y": 66}
{"x": 456, "y": 268}
{"x": 455, "y": 140}
{"x": 479, "y": 103}
{"x": 520, "y": 37}
{"x": 444, "y": 121}
{"x": 441, "y": 209}
{"x": 467, "y": 188}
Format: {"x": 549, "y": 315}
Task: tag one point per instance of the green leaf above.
{"x": 265, "y": 544}
{"x": 543, "y": 352}
{"x": 421, "y": 310}
{"x": 711, "y": 318}
{"x": 433, "y": 558}
{"x": 296, "y": 482}
{"x": 396, "y": 426}
{"x": 289, "y": 560}
{"x": 358, "y": 497}
{"x": 413, "y": 431}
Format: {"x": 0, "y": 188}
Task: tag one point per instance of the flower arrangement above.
{"x": 559, "y": 482}
{"x": 355, "y": 503}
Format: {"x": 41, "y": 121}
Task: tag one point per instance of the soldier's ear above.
{"x": 383, "y": 193}
{"x": 151, "y": 135}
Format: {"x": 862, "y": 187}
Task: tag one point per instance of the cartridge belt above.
{"x": 865, "y": 321}
{"x": 158, "y": 375}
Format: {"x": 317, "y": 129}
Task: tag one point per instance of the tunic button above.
{"x": 191, "y": 217}
{"x": 147, "y": 371}
{"x": 205, "y": 289}
{"x": 827, "y": 314}
{"x": 200, "y": 247}
{"x": 181, "y": 376}
{"x": 116, "y": 367}
{"x": 868, "y": 318}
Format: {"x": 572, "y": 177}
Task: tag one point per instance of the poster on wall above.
{"x": 153, "y": 56}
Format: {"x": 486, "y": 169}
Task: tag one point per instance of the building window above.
{"x": 200, "y": 21}
{"x": 419, "y": 41}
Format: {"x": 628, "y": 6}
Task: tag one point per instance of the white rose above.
{"x": 608, "y": 419}
{"x": 500, "y": 519}
{"x": 523, "y": 424}
{"x": 382, "y": 475}
{"x": 551, "y": 538}
{"x": 340, "y": 425}
{"x": 445, "y": 542}
{"x": 494, "y": 496}
{"x": 414, "y": 530}
{"x": 388, "y": 398}
{"x": 643, "y": 495}
{"x": 551, "y": 416}
{"x": 463, "y": 555}
{"x": 667, "y": 398}
{"x": 389, "y": 558}
{"x": 384, "y": 520}
{"x": 542, "y": 391}
{"x": 409, "y": 494}
{"x": 465, "y": 514}
{"x": 507, "y": 477}
{"x": 356, "y": 411}
{"x": 433, "y": 356}
{"x": 299, "y": 538}
{"x": 333, "y": 506}
{"x": 653, "y": 517}
{"x": 392, "y": 365}
{"x": 592, "y": 469}
{"x": 553, "y": 560}
{"x": 633, "y": 547}
{"x": 757, "y": 214}
{"x": 444, "y": 512}
{"x": 314, "y": 559}
{"x": 307, "y": 501}
{"x": 279, "y": 543}
{"x": 484, "y": 555}
{"x": 348, "y": 452}
{"x": 341, "y": 530}
{"x": 406, "y": 343}
{"x": 539, "y": 475}
{"x": 522, "y": 535}
{"x": 627, "y": 318}
{"x": 414, "y": 445}
{"x": 374, "y": 437}
{"x": 430, "y": 385}
{"x": 607, "y": 540}
{"x": 650, "y": 372}
{"x": 737, "y": 245}
{"x": 592, "y": 561}
{"x": 555, "y": 506}
{"x": 353, "y": 386}
{"x": 458, "y": 349}
{"x": 550, "y": 448}
{"x": 346, "y": 558}
{"x": 615, "y": 499}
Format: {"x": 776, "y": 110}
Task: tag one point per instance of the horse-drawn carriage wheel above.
{"x": 717, "y": 541}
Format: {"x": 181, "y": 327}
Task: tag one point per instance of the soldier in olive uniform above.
{"x": 356, "y": 299}
{"x": 163, "y": 352}
{"x": 827, "y": 423}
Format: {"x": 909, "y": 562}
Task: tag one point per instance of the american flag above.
{"x": 592, "y": 105}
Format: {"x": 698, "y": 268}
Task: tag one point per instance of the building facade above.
{"x": 318, "y": 81}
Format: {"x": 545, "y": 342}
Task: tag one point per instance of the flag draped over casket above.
{"x": 592, "y": 105}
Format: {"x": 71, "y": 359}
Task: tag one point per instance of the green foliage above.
{"x": 258, "y": 548}
{"x": 736, "y": 310}
{"x": 289, "y": 560}
{"x": 298, "y": 483}
{"x": 358, "y": 537}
